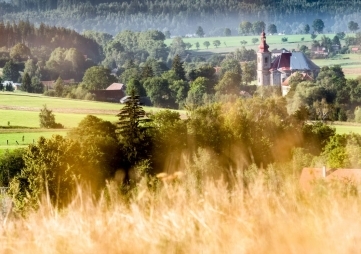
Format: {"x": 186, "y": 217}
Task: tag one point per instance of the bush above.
{"x": 50, "y": 93}
{"x": 47, "y": 119}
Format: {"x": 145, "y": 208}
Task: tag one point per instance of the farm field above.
{"x": 230, "y": 43}
{"x": 25, "y": 100}
{"x": 31, "y": 118}
{"x": 347, "y": 128}
{"x": 8, "y": 139}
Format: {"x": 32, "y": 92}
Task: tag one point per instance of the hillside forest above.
{"x": 180, "y": 17}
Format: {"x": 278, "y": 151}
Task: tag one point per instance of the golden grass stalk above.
{"x": 181, "y": 219}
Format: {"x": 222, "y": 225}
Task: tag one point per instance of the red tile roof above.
{"x": 309, "y": 175}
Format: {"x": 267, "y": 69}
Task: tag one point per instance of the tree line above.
{"x": 235, "y": 134}
{"x": 179, "y": 17}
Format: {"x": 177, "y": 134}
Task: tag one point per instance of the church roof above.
{"x": 293, "y": 61}
{"x": 300, "y": 62}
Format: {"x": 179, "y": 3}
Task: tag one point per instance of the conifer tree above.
{"x": 26, "y": 83}
{"x": 177, "y": 67}
{"x": 133, "y": 132}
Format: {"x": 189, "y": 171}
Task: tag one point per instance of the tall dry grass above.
{"x": 179, "y": 217}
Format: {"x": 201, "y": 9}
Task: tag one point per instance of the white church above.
{"x": 277, "y": 72}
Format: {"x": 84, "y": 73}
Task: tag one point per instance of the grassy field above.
{"x": 229, "y": 44}
{"x": 346, "y": 128}
{"x": 24, "y": 137}
{"x": 31, "y": 118}
{"x": 37, "y": 101}
{"x": 270, "y": 217}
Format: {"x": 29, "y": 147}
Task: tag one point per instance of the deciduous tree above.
{"x": 200, "y": 31}
{"x": 318, "y": 25}
{"x": 97, "y": 77}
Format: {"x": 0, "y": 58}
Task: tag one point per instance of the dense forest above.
{"x": 180, "y": 17}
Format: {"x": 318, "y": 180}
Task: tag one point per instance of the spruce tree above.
{"x": 177, "y": 67}
{"x": 133, "y": 132}
{"x": 26, "y": 84}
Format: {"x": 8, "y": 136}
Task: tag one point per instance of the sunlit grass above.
{"x": 180, "y": 218}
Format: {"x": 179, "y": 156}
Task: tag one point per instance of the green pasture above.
{"x": 347, "y": 128}
{"x": 9, "y": 139}
{"x": 343, "y": 60}
{"x": 31, "y": 118}
{"x": 228, "y": 44}
{"x": 37, "y": 101}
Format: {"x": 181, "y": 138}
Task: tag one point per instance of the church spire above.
{"x": 263, "y": 46}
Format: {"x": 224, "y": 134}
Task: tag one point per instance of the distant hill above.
{"x": 182, "y": 17}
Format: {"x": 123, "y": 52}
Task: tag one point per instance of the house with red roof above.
{"x": 311, "y": 175}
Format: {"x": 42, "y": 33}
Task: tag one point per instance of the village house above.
{"x": 112, "y": 93}
{"x": 310, "y": 175}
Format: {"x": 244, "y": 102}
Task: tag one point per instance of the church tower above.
{"x": 263, "y": 62}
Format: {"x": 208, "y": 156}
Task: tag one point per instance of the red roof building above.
{"x": 310, "y": 175}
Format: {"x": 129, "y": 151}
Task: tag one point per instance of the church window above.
{"x": 266, "y": 60}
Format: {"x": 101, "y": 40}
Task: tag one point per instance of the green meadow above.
{"x": 347, "y": 128}
{"x": 21, "y": 99}
{"x": 228, "y": 44}
{"x": 31, "y": 118}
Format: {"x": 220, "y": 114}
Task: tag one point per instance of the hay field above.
{"x": 180, "y": 218}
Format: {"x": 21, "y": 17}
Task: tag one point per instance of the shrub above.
{"x": 47, "y": 119}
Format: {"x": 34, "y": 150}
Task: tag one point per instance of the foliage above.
{"x": 158, "y": 91}
{"x": 20, "y": 52}
{"x": 216, "y": 43}
{"x": 97, "y": 77}
{"x": 206, "y": 126}
{"x": 206, "y": 44}
{"x": 135, "y": 85}
{"x": 197, "y": 89}
{"x": 26, "y": 83}
{"x": 11, "y": 163}
{"x": 11, "y": 71}
{"x": 229, "y": 84}
{"x": 133, "y": 133}
{"x": 353, "y": 26}
{"x": 47, "y": 119}
{"x": 227, "y": 32}
{"x": 272, "y": 29}
{"x": 169, "y": 135}
{"x": 59, "y": 87}
{"x": 177, "y": 67}
{"x": 231, "y": 65}
{"x": 245, "y": 27}
{"x": 258, "y": 27}
{"x": 306, "y": 29}
{"x": 52, "y": 166}
{"x": 316, "y": 136}
{"x": 200, "y": 31}
{"x": 318, "y": 25}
